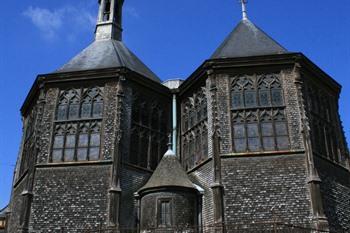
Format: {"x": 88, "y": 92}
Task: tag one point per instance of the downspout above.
{"x": 174, "y": 124}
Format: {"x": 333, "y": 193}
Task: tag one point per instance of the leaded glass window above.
{"x": 77, "y": 130}
{"x": 164, "y": 213}
{"x": 194, "y": 131}
{"x": 258, "y": 119}
{"x": 149, "y": 121}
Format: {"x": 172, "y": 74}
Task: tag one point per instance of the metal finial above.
{"x": 244, "y": 9}
{"x": 170, "y": 145}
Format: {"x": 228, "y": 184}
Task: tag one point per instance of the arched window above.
{"x": 77, "y": 132}
{"x": 258, "y": 119}
{"x": 267, "y": 131}
{"x": 204, "y": 108}
{"x": 281, "y": 130}
{"x": 252, "y": 129}
{"x": 239, "y": 133}
{"x": 194, "y": 116}
{"x": 68, "y": 106}
{"x": 92, "y": 104}
{"x": 205, "y": 142}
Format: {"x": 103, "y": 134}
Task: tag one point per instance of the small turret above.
{"x": 109, "y": 23}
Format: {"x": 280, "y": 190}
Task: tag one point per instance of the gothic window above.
{"x": 164, "y": 213}
{"x": 92, "y": 104}
{"x": 77, "y": 134}
{"x": 148, "y": 123}
{"x": 204, "y": 143}
{"x": 281, "y": 130}
{"x": 268, "y": 141}
{"x": 239, "y": 133}
{"x": 198, "y": 147}
{"x": 204, "y": 108}
{"x": 252, "y": 132}
{"x": 185, "y": 117}
{"x": 258, "y": 117}
{"x": 270, "y": 91}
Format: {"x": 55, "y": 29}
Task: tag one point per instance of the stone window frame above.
{"x": 247, "y": 117}
{"x": 28, "y": 143}
{"x": 159, "y": 214}
{"x": 323, "y": 125}
{"x": 72, "y": 125}
{"x": 193, "y": 107}
{"x": 146, "y": 131}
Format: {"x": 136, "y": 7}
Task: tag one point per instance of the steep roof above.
{"x": 169, "y": 173}
{"x": 247, "y": 40}
{"x": 3, "y": 212}
{"x": 107, "y": 54}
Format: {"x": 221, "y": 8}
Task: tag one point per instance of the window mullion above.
{"x": 274, "y": 130}
{"x": 64, "y": 144}
{"x": 89, "y": 133}
{"x": 245, "y": 130}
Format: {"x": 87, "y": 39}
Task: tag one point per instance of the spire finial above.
{"x": 244, "y": 9}
{"x": 170, "y": 145}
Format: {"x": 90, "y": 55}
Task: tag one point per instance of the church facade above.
{"x": 257, "y": 142}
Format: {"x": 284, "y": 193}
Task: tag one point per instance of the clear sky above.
{"x": 172, "y": 37}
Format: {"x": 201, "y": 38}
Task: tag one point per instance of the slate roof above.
{"x": 169, "y": 173}
{"x": 3, "y": 212}
{"x": 107, "y": 54}
{"x": 247, "y": 40}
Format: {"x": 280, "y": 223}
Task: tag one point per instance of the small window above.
{"x": 164, "y": 213}
{"x": 264, "y": 98}
{"x": 277, "y": 97}
{"x": 250, "y": 99}
{"x": 237, "y": 101}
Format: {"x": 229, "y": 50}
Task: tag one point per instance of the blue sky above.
{"x": 171, "y": 37}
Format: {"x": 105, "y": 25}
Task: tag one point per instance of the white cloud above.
{"x": 50, "y": 22}
{"x": 131, "y": 11}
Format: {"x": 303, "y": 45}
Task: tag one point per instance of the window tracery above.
{"x": 194, "y": 128}
{"x": 28, "y": 144}
{"x": 324, "y": 124}
{"x": 258, "y": 117}
{"x": 147, "y": 137}
{"x": 77, "y": 135}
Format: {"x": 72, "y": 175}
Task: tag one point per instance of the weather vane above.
{"x": 244, "y": 9}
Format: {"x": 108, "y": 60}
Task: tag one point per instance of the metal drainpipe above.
{"x": 174, "y": 123}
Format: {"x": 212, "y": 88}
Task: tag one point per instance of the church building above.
{"x": 256, "y": 142}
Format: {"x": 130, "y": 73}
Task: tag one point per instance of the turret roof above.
{"x": 107, "y": 54}
{"x": 169, "y": 173}
{"x": 247, "y": 40}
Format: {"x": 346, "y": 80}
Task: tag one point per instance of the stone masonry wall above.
{"x": 260, "y": 189}
{"x": 16, "y": 207}
{"x": 71, "y": 197}
{"x": 203, "y": 177}
{"x": 335, "y": 191}
{"x": 131, "y": 181}
{"x": 184, "y": 209}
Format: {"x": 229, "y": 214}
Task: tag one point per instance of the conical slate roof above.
{"x": 169, "y": 173}
{"x": 107, "y": 54}
{"x": 247, "y": 40}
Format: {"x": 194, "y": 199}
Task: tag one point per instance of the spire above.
{"x": 244, "y": 9}
{"x": 109, "y": 22}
